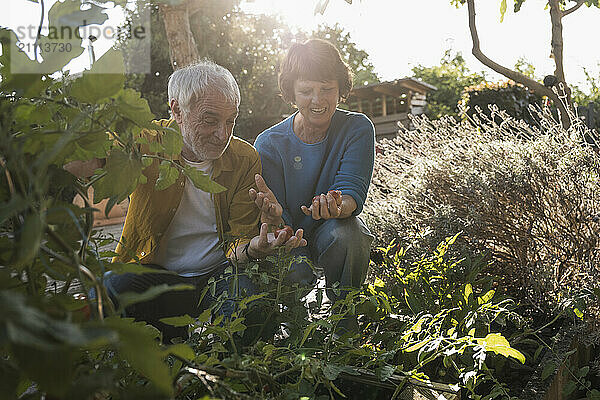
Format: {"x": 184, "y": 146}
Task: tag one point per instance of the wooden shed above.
{"x": 390, "y": 103}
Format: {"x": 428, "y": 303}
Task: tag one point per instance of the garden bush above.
{"x": 531, "y": 200}
{"x": 508, "y": 96}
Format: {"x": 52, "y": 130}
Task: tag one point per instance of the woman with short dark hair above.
{"x": 318, "y": 163}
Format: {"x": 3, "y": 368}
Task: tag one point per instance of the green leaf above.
{"x": 122, "y": 176}
{"x": 183, "y": 320}
{"x": 247, "y": 300}
{"x": 68, "y": 13}
{"x": 468, "y": 292}
{"x": 548, "y": 370}
{"x": 130, "y": 268}
{"x": 385, "y": 372}
{"x": 64, "y": 20}
{"x": 139, "y": 346}
{"x": 206, "y": 314}
{"x": 28, "y": 326}
{"x": 30, "y": 238}
{"x": 307, "y": 331}
{"x": 332, "y": 371}
{"x": 129, "y": 298}
{"x": 583, "y": 371}
{"x": 498, "y": 344}
{"x": 502, "y": 10}
{"x": 181, "y": 350}
{"x": 85, "y": 147}
{"x": 236, "y": 325}
{"x": 202, "y": 181}
{"x": 417, "y": 346}
{"x": 594, "y": 394}
{"x": 9, "y": 209}
{"x": 172, "y": 141}
{"x": 52, "y": 370}
{"x": 167, "y": 175}
{"x": 569, "y": 388}
{"x": 13, "y": 67}
{"x": 106, "y": 78}
{"x": 486, "y": 298}
{"x": 130, "y": 104}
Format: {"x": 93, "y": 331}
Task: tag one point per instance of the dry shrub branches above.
{"x": 529, "y": 196}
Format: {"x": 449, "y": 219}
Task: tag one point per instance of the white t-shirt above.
{"x": 190, "y": 246}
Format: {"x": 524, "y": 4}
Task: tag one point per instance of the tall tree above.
{"x": 357, "y": 59}
{"x": 558, "y": 9}
{"x": 251, "y": 47}
{"x": 450, "y": 77}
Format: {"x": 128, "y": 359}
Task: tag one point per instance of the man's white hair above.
{"x": 196, "y": 80}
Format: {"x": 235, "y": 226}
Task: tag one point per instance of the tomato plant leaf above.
{"x": 202, "y": 181}
{"x": 138, "y": 345}
{"x": 332, "y": 371}
{"x": 102, "y": 81}
{"x": 498, "y": 344}
{"x": 182, "y": 320}
{"x": 167, "y": 175}
{"x": 122, "y": 176}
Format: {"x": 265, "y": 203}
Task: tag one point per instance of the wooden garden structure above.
{"x": 390, "y": 103}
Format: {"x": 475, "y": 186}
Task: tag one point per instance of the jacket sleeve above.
{"x": 244, "y": 215}
{"x": 356, "y": 167}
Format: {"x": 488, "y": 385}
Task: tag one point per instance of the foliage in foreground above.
{"x": 435, "y": 318}
{"x": 46, "y": 338}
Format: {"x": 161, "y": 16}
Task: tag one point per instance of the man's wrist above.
{"x": 248, "y": 252}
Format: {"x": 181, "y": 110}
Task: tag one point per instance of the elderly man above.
{"x": 182, "y": 229}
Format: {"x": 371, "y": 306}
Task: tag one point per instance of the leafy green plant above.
{"x": 435, "y": 318}
{"x": 450, "y": 78}
{"x": 54, "y": 339}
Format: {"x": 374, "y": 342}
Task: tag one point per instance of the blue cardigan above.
{"x": 296, "y": 171}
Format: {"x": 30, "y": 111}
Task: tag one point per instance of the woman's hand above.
{"x": 266, "y": 243}
{"x": 265, "y": 200}
{"x": 328, "y": 206}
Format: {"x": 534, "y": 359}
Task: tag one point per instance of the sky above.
{"x": 399, "y": 34}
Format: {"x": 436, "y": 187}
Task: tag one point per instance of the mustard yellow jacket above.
{"x": 151, "y": 211}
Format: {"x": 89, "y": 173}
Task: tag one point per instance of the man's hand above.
{"x": 326, "y": 206}
{"x": 265, "y": 200}
{"x": 266, "y": 243}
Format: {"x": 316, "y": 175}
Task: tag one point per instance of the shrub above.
{"x": 530, "y": 199}
{"x": 509, "y": 96}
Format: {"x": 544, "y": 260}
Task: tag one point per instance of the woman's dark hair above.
{"x": 313, "y": 60}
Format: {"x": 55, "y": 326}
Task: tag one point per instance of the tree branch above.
{"x": 574, "y": 8}
{"x": 513, "y": 75}
{"x": 182, "y": 45}
{"x": 557, "y": 39}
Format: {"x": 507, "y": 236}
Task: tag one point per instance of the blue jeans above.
{"x": 176, "y": 302}
{"x": 342, "y": 248}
